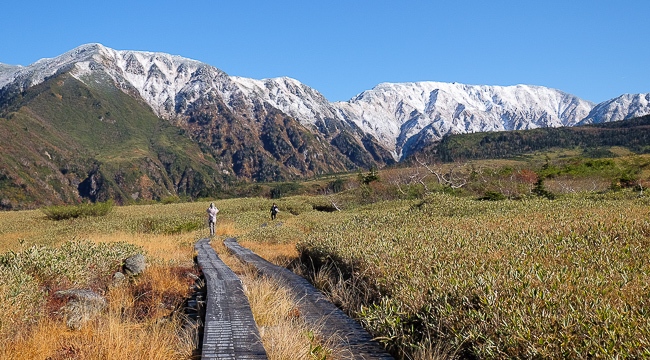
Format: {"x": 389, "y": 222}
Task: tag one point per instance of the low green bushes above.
{"x": 75, "y": 211}
{"x": 493, "y": 279}
{"x": 75, "y": 262}
{"x": 167, "y": 226}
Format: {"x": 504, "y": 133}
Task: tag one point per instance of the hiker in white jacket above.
{"x": 212, "y": 217}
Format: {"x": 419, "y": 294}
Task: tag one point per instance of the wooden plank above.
{"x": 229, "y": 330}
{"x": 324, "y": 317}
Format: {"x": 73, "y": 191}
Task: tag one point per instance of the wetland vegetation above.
{"x": 432, "y": 270}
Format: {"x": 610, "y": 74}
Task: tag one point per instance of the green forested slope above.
{"x": 62, "y": 139}
{"x": 633, "y": 134}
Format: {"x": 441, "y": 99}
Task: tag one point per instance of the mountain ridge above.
{"x": 395, "y": 114}
{"x": 108, "y": 105}
{"x": 242, "y": 129}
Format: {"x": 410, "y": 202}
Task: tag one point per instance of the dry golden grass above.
{"x": 137, "y": 325}
{"x": 278, "y": 254}
{"x": 284, "y": 334}
{"x": 160, "y": 248}
{"x": 107, "y": 338}
{"x": 134, "y": 310}
{"x": 18, "y": 227}
{"x": 226, "y": 228}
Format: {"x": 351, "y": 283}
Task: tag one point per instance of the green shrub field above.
{"x": 535, "y": 278}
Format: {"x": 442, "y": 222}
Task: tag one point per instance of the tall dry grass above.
{"x": 279, "y": 254}
{"x": 28, "y": 312}
{"x": 110, "y": 337}
{"x": 139, "y": 324}
{"x": 166, "y": 234}
{"x": 283, "y": 332}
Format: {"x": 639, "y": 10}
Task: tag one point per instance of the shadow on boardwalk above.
{"x": 324, "y": 317}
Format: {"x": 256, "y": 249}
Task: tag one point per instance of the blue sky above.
{"x": 594, "y": 49}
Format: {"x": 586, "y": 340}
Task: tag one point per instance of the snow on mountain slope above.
{"x": 624, "y": 107}
{"x": 399, "y": 115}
{"x": 158, "y": 78}
{"x": 289, "y": 95}
{"x": 170, "y": 84}
{"x": 6, "y": 71}
{"x": 26, "y": 76}
{"x": 394, "y": 113}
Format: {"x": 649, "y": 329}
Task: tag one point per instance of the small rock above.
{"x": 83, "y": 305}
{"x": 135, "y": 265}
{"x": 118, "y": 279}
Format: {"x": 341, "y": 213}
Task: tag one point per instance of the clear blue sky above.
{"x": 594, "y": 49}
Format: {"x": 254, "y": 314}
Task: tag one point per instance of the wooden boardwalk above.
{"x": 229, "y": 330}
{"x": 326, "y": 319}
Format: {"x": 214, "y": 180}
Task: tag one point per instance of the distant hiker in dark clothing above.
{"x": 274, "y": 211}
{"x": 212, "y": 217}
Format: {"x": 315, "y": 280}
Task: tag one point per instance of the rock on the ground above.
{"x": 135, "y": 264}
{"x": 118, "y": 279}
{"x": 82, "y": 306}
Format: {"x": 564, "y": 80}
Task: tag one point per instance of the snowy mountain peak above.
{"x": 624, "y": 107}
{"x": 394, "y": 113}
{"x": 288, "y": 95}
{"x": 157, "y": 77}
{"x": 37, "y": 72}
{"x": 400, "y": 116}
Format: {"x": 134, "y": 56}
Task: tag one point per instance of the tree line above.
{"x": 634, "y": 134}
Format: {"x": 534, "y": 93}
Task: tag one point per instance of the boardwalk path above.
{"x": 229, "y": 330}
{"x": 327, "y": 320}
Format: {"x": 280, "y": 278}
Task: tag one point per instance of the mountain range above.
{"x": 100, "y": 123}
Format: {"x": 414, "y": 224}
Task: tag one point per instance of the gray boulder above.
{"x": 82, "y": 306}
{"x": 135, "y": 265}
{"x": 118, "y": 279}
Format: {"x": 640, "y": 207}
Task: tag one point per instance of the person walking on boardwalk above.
{"x": 212, "y": 217}
{"x": 274, "y": 211}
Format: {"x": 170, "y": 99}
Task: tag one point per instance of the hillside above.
{"x": 633, "y": 134}
{"x": 97, "y": 123}
{"x": 64, "y": 141}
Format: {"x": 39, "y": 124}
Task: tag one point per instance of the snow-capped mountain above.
{"x": 170, "y": 84}
{"x": 395, "y": 113}
{"x": 288, "y": 95}
{"x": 624, "y": 107}
{"x": 4, "y": 68}
{"x": 398, "y": 117}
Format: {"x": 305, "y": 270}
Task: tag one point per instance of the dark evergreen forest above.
{"x": 633, "y": 134}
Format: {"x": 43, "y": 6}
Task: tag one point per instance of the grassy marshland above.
{"x": 502, "y": 279}
{"x": 40, "y": 256}
{"x": 433, "y": 273}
